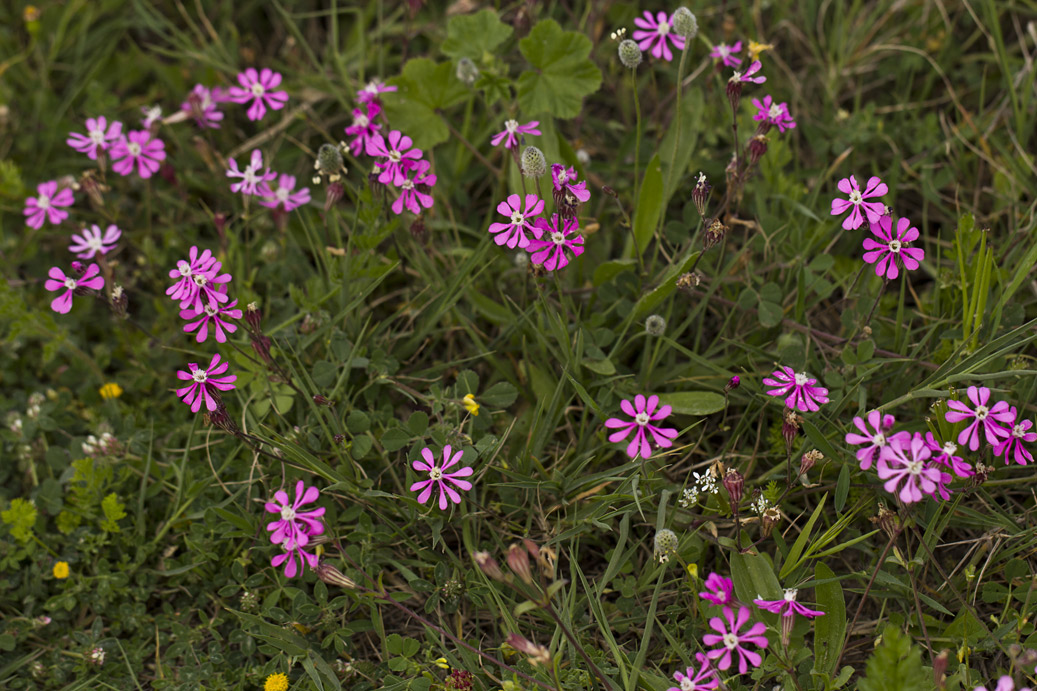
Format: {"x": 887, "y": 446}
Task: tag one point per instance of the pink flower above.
{"x": 215, "y": 315}
{"x": 364, "y": 128}
{"x": 205, "y": 384}
{"x": 731, "y": 641}
{"x": 987, "y": 419}
{"x": 398, "y": 155}
{"x": 742, "y": 77}
{"x": 893, "y": 250}
{"x": 140, "y": 149}
{"x": 726, "y": 54}
{"x": 773, "y": 113}
{"x": 59, "y": 281}
{"x": 92, "y": 241}
{"x": 656, "y": 31}
{"x": 873, "y": 210}
{"x": 152, "y": 114}
{"x": 801, "y": 392}
{"x": 564, "y": 180}
{"x": 252, "y": 182}
{"x": 293, "y": 549}
{"x": 99, "y": 135}
{"x": 549, "y": 244}
{"x": 510, "y": 128}
{"x": 196, "y": 280}
{"x": 874, "y": 435}
{"x": 944, "y": 455}
{"x": 704, "y": 679}
{"x": 643, "y": 411}
{"x": 369, "y": 94}
{"x": 513, "y": 234}
{"x": 295, "y": 525}
{"x": 285, "y": 196}
{"x": 719, "y": 590}
{"x": 788, "y": 606}
{"x": 902, "y": 464}
{"x": 1012, "y": 446}
{"x": 257, "y": 87}
{"x": 201, "y": 105}
{"x": 438, "y": 477}
{"x": 45, "y": 206}
{"x": 415, "y": 190}
{"x": 1005, "y": 683}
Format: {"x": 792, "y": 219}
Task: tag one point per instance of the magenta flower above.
{"x": 370, "y": 92}
{"x": 549, "y": 244}
{"x": 1005, "y": 683}
{"x": 398, "y": 155}
{"x": 293, "y": 549}
{"x": 257, "y": 87}
{"x": 513, "y": 234}
{"x": 364, "y": 128}
{"x": 726, "y": 54}
{"x": 732, "y": 641}
{"x": 253, "y": 182}
{"x": 99, "y": 136}
{"x": 59, "y": 281}
{"x": 893, "y": 250}
{"x": 285, "y": 196}
{"x": 510, "y": 128}
{"x": 201, "y": 105}
{"x": 92, "y": 241}
{"x": 205, "y": 385}
{"x": 719, "y": 590}
{"x": 215, "y": 316}
{"x": 704, "y": 679}
{"x": 295, "y": 525}
{"x": 414, "y": 191}
{"x": 773, "y": 113}
{"x": 989, "y": 420}
{"x": 198, "y": 278}
{"x": 944, "y": 454}
{"x": 45, "y": 206}
{"x": 800, "y": 390}
{"x": 873, "y": 210}
{"x": 742, "y": 77}
{"x": 1012, "y": 446}
{"x": 643, "y": 411}
{"x": 138, "y": 149}
{"x": 903, "y": 465}
{"x": 656, "y": 30}
{"x": 788, "y": 606}
{"x": 438, "y": 477}
{"x": 873, "y": 435}
{"x": 564, "y": 180}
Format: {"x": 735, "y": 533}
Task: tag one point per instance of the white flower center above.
{"x": 70, "y": 283}
{"x": 511, "y": 125}
{"x": 517, "y": 219}
{"x": 1018, "y": 431}
{"x": 184, "y": 268}
{"x": 287, "y": 513}
{"x": 730, "y": 641}
{"x": 361, "y": 121}
{"x": 894, "y": 246}
{"x": 558, "y": 238}
{"x": 641, "y": 419}
{"x": 563, "y": 177}
{"x": 915, "y": 467}
{"x": 371, "y": 88}
{"x": 133, "y": 148}
{"x": 282, "y": 194}
{"x": 395, "y": 156}
{"x": 687, "y": 684}
{"x": 790, "y": 594}
{"x": 775, "y": 111}
{"x": 663, "y": 29}
{"x": 736, "y": 77}
{"x": 258, "y": 90}
{"x": 200, "y": 280}
{"x": 879, "y": 439}
{"x": 801, "y": 380}
{"x": 981, "y": 412}
{"x": 94, "y": 242}
{"x": 210, "y": 311}
{"x": 702, "y": 179}
{"x": 200, "y": 376}
{"x": 724, "y": 50}
{"x": 855, "y": 197}
{"x": 96, "y": 136}
{"x": 250, "y": 176}
{"x": 407, "y": 185}
{"x": 435, "y": 474}
{"x": 43, "y": 202}
{"x": 950, "y": 448}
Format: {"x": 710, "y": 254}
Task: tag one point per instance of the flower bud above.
{"x": 940, "y": 669}
{"x": 655, "y": 325}
{"x": 700, "y": 194}
{"x": 329, "y": 161}
{"x": 323, "y": 401}
{"x": 757, "y": 148}
{"x": 629, "y": 54}
{"x": 768, "y": 519}
{"x": 665, "y": 544}
{"x": 332, "y": 576}
{"x": 518, "y": 560}
{"x": 684, "y": 23}
{"x": 790, "y": 428}
{"x": 538, "y": 654}
{"x": 335, "y": 191}
{"x": 734, "y": 93}
{"x": 609, "y": 191}
{"x": 732, "y": 384}
{"x": 734, "y": 483}
{"x": 467, "y": 72}
{"x": 119, "y": 301}
{"x": 533, "y": 164}
{"x": 419, "y": 231}
{"x": 253, "y": 316}
{"x": 810, "y": 458}
{"x": 488, "y": 565}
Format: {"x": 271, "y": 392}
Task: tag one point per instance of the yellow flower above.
{"x": 442, "y": 663}
{"x": 61, "y": 569}
{"x": 110, "y": 390}
{"x": 470, "y": 405}
{"x": 693, "y": 570}
{"x": 276, "y": 682}
{"x": 756, "y": 48}
{"x": 31, "y": 13}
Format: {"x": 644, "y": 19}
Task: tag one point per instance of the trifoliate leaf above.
{"x": 473, "y": 35}
{"x": 425, "y": 87}
{"x": 562, "y": 73}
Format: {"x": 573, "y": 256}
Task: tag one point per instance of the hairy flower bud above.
{"x": 665, "y": 544}
{"x": 629, "y": 54}
{"x": 700, "y": 194}
{"x": 534, "y": 164}
{"x": 253, "y": 316}
{"x": 790, "y": 428}
{"x": 734, "y": 483}
{"x": 684, "y": 23}
{"x": 119, "y": 301}
{"x": 733, "y": 384}
{"x": 332, "y": 576}
{"x": 329, "y": 161}
{"x": 715, "y": 232}
{"x": 467, "y": 72}
{"x": 518, "y": 560}
{"x": 655, "y": 325}
{"x": 757, "y": 148}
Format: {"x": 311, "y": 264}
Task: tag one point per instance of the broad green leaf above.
{"x": 562, "y": 73}
{"x": 649, "y": 205}
{"x": 693, "y": 402}
{"x": 754, "y": 577}
{"x": 770, "y": 314}
{"x": 475, "y": 35}
{"x": 500, "y": 395}
{"x": 606, "y": 271}
{"x": 425, "y": 88}
{"x": 829, "y": 630}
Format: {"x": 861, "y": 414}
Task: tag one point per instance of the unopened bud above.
{"x": 533, "y": 164}
{"x": 418, "y": 230}
{"x": 734, "y": 483}
{"x": 700, "y": 194}
{"x": 339, "y": 438}
{"x": 467, "y": 72}
{"x": 609, "y": 191}
{"x": 518, "y": 560}
{"x": 757, "y": 148}
{"x": 734, "y": 93}
{"x": 321, "y": 400}
{"x": 809, "y": 459}
{"x": 329, "y": 161}
{"x": 790, "y": 428}
{"x": 629, "y": 54}
{"x": 538, "y": 654}
{"x": 684, "y": 23}
{"x": 940, "y": 670}
{"x": 335, "y": 191}
{"x": 332, "y": 576}
{"x": 488, "y": 565}
{"x": 253, "y": 316}
{"x": 732, "y": 384}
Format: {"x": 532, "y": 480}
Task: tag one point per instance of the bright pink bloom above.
{"x": 984, "y": 418}
{"x": 438, "y": 477}
{"x": 788, "y": 606}
{"x": 1005, "y": 683}
{"x": 801, "y": 391}
{"x": 742, "y": 77}
{"x": 894, "y": 249}
{"x": 257, "y": 87}
{"x": 370, "y": 92}
{"x": 773, "y": 113}
{"x": 92, "y": 241}
{"x": 253, "y": 182}
{"x": 874, "y": 434}
{"x": 732, "y": 641}
{"x": 903, "y": 465}
{"x": 510, "y": 128}
{"x": 295, "y": 524}
{"x": 285, "y": 195}
{"x": 293, "y": 549}
{"x": 644, "y": 412}
{"x": 216, "y": 316}
{"x": 138, "y": 149}
{"x": 944, "y": 455}
{"x": 206, "y": 384}
{"x": 364, "y": 128}
{"x": 726, "y": 54}
{"x": 513, "y": 234}
{"x": 564, "y": 180}
{"x": 198, "y": 280}
{"x": 99, "y": 135}
{"x": 59, "y": 281}
{"x": 656, "y": 30}
{"x": 549, "y": 245}
{"x": 201, "y": 104}
{"x": 719, "y": 590}
{"x": 45, "y": 206}
{"x": 704, "y": 679}
{"x": 1012, "y": 446}
{"x": 414, "y": 190}
{"x": 873, "y": 210}
{"x": 398, "y": 155}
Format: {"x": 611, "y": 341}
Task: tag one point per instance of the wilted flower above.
{"x": 538, "y": 654}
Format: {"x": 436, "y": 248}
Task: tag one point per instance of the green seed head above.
{"x": 629, "y": 54}
{"x": 684, "y": 23}
{"x": 533, "y": 162}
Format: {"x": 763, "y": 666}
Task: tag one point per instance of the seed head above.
{"x": 534, "y": 164}
{"x": 629, "y": 54}
{"x": 665, "y": 544}
{"x": 684, "y": 23}
{"x": 467, "y": 72}
{"x": 770, "y": 517}
{"x": 655, "y": 325}
{"x": 329, "y": 160}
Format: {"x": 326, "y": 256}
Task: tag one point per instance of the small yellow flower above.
{"x": 31, "y": 13}
{"x": 110, "y": 390}
{"x": 470, "y": 405}
{"x": 756, "y": 48}
{"x": 693, "y": 571}
{"x": 61, "y": 569}
{"x": 276, "y": 682}
{"x": 442, "y": 663}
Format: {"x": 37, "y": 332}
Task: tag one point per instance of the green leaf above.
{"x": 500, "y": 395}
{"x": 842, "y": 488}
{"x": 417, "y": 423}
{"x": 425, "y": 88}
{"x": 604, "y": 367}
{"x": 114, "y": 510}
{"x": 754, "y": 577}
{"x": 21, "y": 517}
{"x": 770, "y": 314}
{"x": 829, "y": 630}
{"x": 395, "y": 439}
{"x": 649, "y": 205}
{"x": 562, "y": 73}
{"x": 606, "y": 271}
{"x": 795, "y": 554}
{"x": 357, "y": 422}
{"x": 475, "y": 35}
{"x": 896, "y": 665}
{"x": 693, "y": 402}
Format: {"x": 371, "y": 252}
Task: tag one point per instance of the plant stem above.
{"x": 677, "y": 119}
{"x": 572, "y": 640}
{"x": 637, "y": 140}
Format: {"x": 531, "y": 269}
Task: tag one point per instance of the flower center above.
{"x": 687, "y": 684}
{"x": 950, "y": 448}
{"x": 558, "y": 238}
{"x": 801, "y": 380}
{"x": 395, "y": 156}
{"x": 894, "y": 246}
{"x": 517, "y": 219}
{"x": 184, "y": 268}
{"x": 914, "y": 467}
{"x": 361, "y": 121}
{"x": 663, "y": 29}
{"x": 407, "y": 185}
{"x": 730, "y": 641}
{"x": 790, "y": 594}
{"x": 70, "y": 283}
{"x": 511, "y": 125}
{"x": 210, "y": 311}
{"x": 435, "y": 473}
{"x": 258, "y": 90}
{"x": 736, "y": 77}
{"x": 133, "y": 148}
{"x": 282, "y": 194}
{"x": 855, "y": 197}
{"x": 250, "y": 176}
{"x": 982, "y": 412}
{"x": 723, "y": 50}
{"x": 200, "y": 280}
{"x": 287, "y": 513}
{"x": 563, "y": 177}
{"x": 97, "y": 136}
{"x": 641, "y": 419}
{"x": 1018, "y": 431}
{"x": 200, "y": 376}
{"x": 775, "y": 112}
{"x": 43, "y": 202}
{"x": 879, "y": 439}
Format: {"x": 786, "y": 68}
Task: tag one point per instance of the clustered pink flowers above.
{"x": 295, "y": 527}
{"x": 998, "y": 424}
